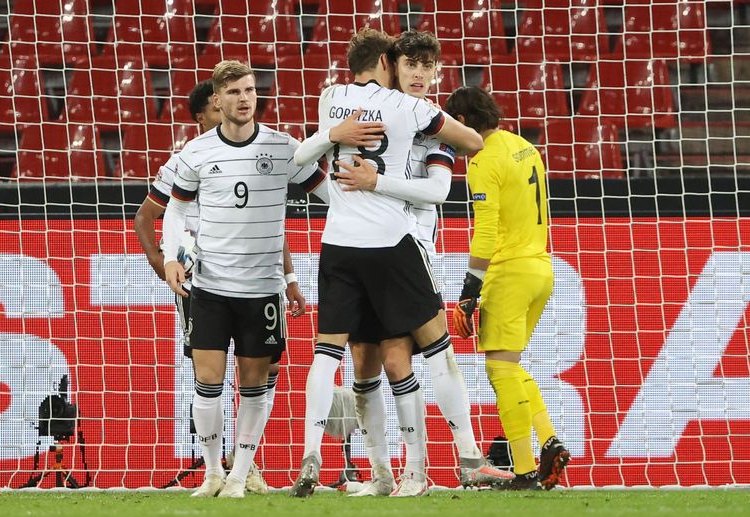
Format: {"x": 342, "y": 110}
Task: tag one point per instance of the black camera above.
{"x": 57, "y": 416}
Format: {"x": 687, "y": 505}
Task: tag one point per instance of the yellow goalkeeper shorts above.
{"x": 513, "y": 297}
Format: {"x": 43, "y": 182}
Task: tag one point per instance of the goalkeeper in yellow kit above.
{"x": 511, "y": 270}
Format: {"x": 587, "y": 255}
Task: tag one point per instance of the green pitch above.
{"x": 559, "y": 503}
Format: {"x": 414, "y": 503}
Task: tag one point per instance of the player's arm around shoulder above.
{"x": 463, "y": 138}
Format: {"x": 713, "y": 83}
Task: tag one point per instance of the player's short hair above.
{"x": 227, "y": 71}
{"x": 199, "y": 97}
{"x": 366, "y": 47}
{"x": 420, "y": 45}
{"x": 478, "y": 108}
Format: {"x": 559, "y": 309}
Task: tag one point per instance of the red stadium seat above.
{"x": 470, "y": 31}
{"x": 265, "y": 31}
{"x": 665, "y": 29}
{"x": 145, "y": 148}
{"x": 108, "y": 96}
{"x": 581, "y": 148}
{"x": 449, "y": 77}
{"x": 213, "y": 54}
{"x": 630, "y": 94}
{"x": 55, "y": 31}
{"x": 207, "y": 6}
{"x": 176, "y": 107}
{"x": 564, "y": 31}
{"x": 157, "y": 32}
{"x": 296, "y": 92}
{"x": 270, "y": 117}
{"x": 21, "y": 99}
{"x": 92, "y": 94}
{"x": 148, "y": 147}
{"x": 528, "y": 92}
{"x": 60, "y": 152}
{"x": 338, "y": 20}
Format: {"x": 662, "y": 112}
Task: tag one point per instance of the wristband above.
{"x": 290, "y": 278}
{"x": 479, "y": 273}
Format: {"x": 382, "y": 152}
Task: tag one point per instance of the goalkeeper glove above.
{"x": 466, "y": 306}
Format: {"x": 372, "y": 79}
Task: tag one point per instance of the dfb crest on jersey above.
{"x": 264, "y": 164}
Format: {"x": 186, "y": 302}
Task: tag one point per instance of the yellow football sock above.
{"x": 514, "y": 410}
{"x": 539, "y": 417}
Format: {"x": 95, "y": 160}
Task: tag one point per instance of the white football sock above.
{"x": 251, "y": 420}
{"x": 319, "y": 394}
{"x": 371, "y": 416}
{"x": 453, "y": 401}
{"x": 411, "y": 414}
{"x": 208, "y": 416}
{"x": 271, "y": 393}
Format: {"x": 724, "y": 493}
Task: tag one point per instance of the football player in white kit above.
{"x": 240, "y": 170}
{"x": 416, "y": 55}
{"x": 370, "y": 261}
{"x": 208, "y": 116}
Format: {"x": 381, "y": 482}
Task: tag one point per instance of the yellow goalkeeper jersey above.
{"x": 508, "y": 189}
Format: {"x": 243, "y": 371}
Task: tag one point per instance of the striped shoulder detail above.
{"x": 158, "y": 197}
{"x": 439, "y": 159}
{"x": 436, "y": 124}
{"x": 183, "y": 194}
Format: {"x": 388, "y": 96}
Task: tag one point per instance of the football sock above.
{"x": 251, "y": 420}
{"x": 270, "y": 393}
{"x": 514, "y": 410}
{"x": 539, "y": 417}
{"x": 208, "y": 416}
{"x": 371, "y": 416}
{"x": 411, "y": 413}
{"x": 319, "y": 394}
{"x": 451, "y": 397}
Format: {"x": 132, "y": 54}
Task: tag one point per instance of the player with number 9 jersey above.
{"x": 243, "y": 189}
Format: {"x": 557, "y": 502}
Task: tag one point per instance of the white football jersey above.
{"x": 242, "y": 188}
{"x": 428, "y": 150}
{"x": 365, "y": 219}
{"x": 161, "y": 189}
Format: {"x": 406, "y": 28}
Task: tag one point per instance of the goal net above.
{"x": 640, "y": 108}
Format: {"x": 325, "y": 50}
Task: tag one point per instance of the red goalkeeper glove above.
{"x": 467, "y": 304}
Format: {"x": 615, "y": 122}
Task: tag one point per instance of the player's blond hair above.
{"x": 227, "y": 71}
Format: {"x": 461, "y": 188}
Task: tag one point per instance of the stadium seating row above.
{"x": 263, "y": 31}
{"x": 74, "y": 151}
{"x": 629, "y": 93}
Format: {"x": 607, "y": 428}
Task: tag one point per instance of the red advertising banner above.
{"x": 643, "y": 355}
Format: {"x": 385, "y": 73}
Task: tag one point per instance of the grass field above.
{"x": 560, "y": 503}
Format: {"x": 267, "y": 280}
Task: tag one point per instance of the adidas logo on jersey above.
{"x": 215, "y": 170}
{"x": 271, "y": 340}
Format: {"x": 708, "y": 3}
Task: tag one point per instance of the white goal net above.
{"x": 641, "y": 109}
